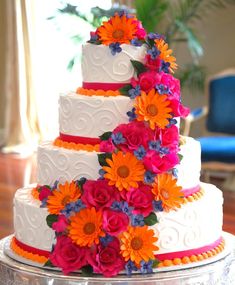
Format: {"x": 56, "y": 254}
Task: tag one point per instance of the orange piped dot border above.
{"x": 194, "y": 197}
{"x": 193, "y": 258}
{"x": 92, "y": 92}
{"x": 28, "y": 255}
{"x": 76, "y": 146}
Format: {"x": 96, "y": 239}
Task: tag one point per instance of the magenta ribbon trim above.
{"x": 190, "y": 191}
{"x": 81, "y": 140}
{"x": 181, "y": 254}
{"x": 102, "y": 86}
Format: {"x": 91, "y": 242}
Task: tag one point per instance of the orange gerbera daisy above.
{"x": 68, "y": 192}
{"x": 137, "y": 244}
{"x": 166, "y": 54}
{"x": 35, "y": 193}
{"x": 117, "y": 29}
{"x": 124, "y": 170}
{"x": 166, "y": 190}
{"x": 153, "y": 108}
{"x": 85, "y": 228}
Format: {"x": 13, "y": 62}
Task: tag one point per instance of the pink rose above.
{"x": 114, "y": 222}
{"x": 170, "y": 138}
{"x": 68, "y": 256}
{"x": 178, "y": 109}
{"x": 61, "y": 224}
{"x": 159, "y": 164}
{"x": 153, "y": 64}
{"x": 98, "y": 194}
{"x": 107, "y": 146}
{"x": 135, "y": 135}
{"x": 107, "y": 260}
{"x": 45, "y": 191}
{"x": 141, "y": 199}
{"x": 147, "y": 80}
{"x": 171, "y": 82}
{"x": 140, "y": 33}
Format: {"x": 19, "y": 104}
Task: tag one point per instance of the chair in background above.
{"x": 218, "y": 148}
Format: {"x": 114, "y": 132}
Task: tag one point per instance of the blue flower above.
{"x": 55, "y": 185}
{"x": 81, "y": 181}
{"x": 155, "y": 145}
{"x": 117, "y": 206}
{"x": 43, "y": 203}
{"x": 155, "y": 36}
{"x": 165, "y": 67}
{"x": 164, "y": 150}
{"x": 118, "y": 138}
{"x": 149, "y": 177}
{"x": 67, "y": 211}
{"x": 134, "y": 92}
{"x": 146, "y": 267}
{"x": 175, "y": 172}
{"x": 153, "y": 52}
{"x": 78, "y": 205}
{"x": 126, "y": 209}
{"x": 101, "y": 173}
{"x": 136, "y": 42}
{"x": 157, "y": 206}
{"x": 131, "y": 114}
{"x": 171, "y": 122}
{"x": 140, "y": 153}
{"x": 106, "y": 240}
{"x": 137, "y": 220}
{"x": 115, "y": 48}
{"x": 130, "y": 266}
{"x": 162, "y": 89}
{"x": 124, "y": 12}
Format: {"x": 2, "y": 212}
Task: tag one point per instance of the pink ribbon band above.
{"x": 181, "y": 254}
{"x": 190, "y": 191}
{"x": 102, "y": 86}
{"x": 79, "y": 140}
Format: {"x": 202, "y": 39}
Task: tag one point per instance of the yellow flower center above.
{"x": 65, "y": 200}
{"x": 118, "y": 34}
{"x": 89, "y": 228}
{"x": 136, "y": 243}
{"x": 165, "y": 194}
{"x": 152, "y": 110}
{"x": 123, "y": 171}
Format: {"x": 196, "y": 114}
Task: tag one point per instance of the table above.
{"x": 221, "y": 272}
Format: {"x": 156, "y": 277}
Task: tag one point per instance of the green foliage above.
{"x": 125, "y": 89}
{"x": 151, "y": 219}
{"x": 102, "y": 158}
{"x": 139, "y": 67}
{"x": 105, "y": 136}
{"x": 51, "y": 219}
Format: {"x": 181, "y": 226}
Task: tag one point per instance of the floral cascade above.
{"x": 105, "y": 226}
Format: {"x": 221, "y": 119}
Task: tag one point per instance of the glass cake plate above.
{"x": 217, "y": 270}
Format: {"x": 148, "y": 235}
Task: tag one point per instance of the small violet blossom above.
{"x": 140, "y": 153}
{"x": 130, "y": 266}
{"x": 162, "y": 89}
{"x": 134, "y": 92}
{"x": 153, "y": 52}
{"x": 115, "y": 48}
{"x": 118, "y": 138}
{"x": 131, "y": 114}
{"x": 146, "y": 267}
{"x": 149, "y": 177}
{"x": 157, "y": 206}
{"x": 137, "y": 220}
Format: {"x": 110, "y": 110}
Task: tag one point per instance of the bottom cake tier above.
{"x": 189, "y": 234}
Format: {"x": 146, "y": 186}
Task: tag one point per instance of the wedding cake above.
{"x": 119, "y": 190}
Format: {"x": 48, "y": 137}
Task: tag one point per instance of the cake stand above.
{"x": 218, "y": 272}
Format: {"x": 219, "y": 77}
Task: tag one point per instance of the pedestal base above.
{"x": 221, "y": 272}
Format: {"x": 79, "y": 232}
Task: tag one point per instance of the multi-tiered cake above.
{"x": 119, "y": 189}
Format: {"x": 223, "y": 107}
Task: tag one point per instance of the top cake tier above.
{"x": 100, "y": 66}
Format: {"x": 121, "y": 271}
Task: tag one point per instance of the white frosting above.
{"x": 30, "y": 221}
{"x": 99, "y": 65}
{"x": 56, "y": 163}
{"x": 190, "y": 167}
{"x": 184, "y": 229}
{"x": 91, "y": 116}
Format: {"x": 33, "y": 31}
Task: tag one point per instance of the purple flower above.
{"x": 164, "y": 150}
{"x": 175, "y": 172}
{"x": 134, "y": 92}
{"x": 101, "y": 173}
{"x": 146, "y": 267}
{"x": 165, "y": 66}
{"x": 115, "y": 48}
{"x": 118, "y": 138}
{"x": 149, "y": 177}
{"x": 122, "y": 206}
{"x": 130, "y": 266}
{"x": 136, "y": 42}
{"x": 171, "y": 122}
{"x": 162, "y": 89}
{"x": 140, "y": 153}
{"x": 155, "y": 145}
{"x": 153, "y": 52}
{"x": 106, "y": 240}
{"x": 131, "y": 114}
{"x": 155, "y": 36}
{"x": 137, "y": 220}
{"x": 73, "y": 207}
{"x": 157, "y": 206}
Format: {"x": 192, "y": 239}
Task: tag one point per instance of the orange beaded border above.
{"x": 28, "y": 255}
{"x": 76, "y": 146}
{"x": 193, "y": 258}
{"x": 100, "y": 92}
{"x": 194, "y": 197}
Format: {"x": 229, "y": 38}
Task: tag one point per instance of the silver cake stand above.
{"x": 219, "y": 272}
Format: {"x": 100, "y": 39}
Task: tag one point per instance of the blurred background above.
{"x": 40, "y": 55}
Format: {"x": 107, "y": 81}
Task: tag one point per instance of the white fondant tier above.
{"x": 99, "y": 65}
{"x": 91, "y": 116}
{"x": 56, "y": 163}
{"x": 189, "y": 227}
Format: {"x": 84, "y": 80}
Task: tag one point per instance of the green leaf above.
{"x": 180, "y": 156}
{"x": 105, "y": 136}
{"x": 81, "y": 182}
{"x": 151, "y": 219}
{"x": 48, "y": 264}
{"x": 102, "y": 158}
{"x": 138, "y": 66}
{"x": 51, "y": 219}
{"x": 87, "y": 270}
{"x": 155, "y": 263}
{"x": 125, "y": 89}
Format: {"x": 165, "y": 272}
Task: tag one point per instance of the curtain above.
{"x": 21, "y": 130}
